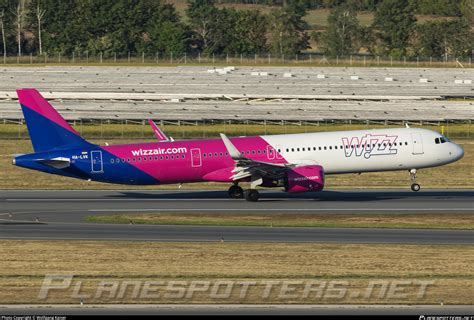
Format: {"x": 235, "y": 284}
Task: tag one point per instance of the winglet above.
{"x": 160, "y": 135}
{"x": 233, "y": 151}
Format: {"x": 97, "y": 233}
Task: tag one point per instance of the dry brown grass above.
{"x": 393, "y": 220}
{"x": 24, "y": 264}
{"x": 456, "y": 175}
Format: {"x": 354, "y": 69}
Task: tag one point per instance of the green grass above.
{"x": 392, "y": 220}
{"x": 133, "y": 131}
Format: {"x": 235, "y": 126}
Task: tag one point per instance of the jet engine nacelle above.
{"x": 305, "y": 179}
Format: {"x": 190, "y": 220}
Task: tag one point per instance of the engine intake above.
{"x": 305, "y": 179}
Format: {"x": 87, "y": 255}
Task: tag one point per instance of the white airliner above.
{"x": 295, "y": 162}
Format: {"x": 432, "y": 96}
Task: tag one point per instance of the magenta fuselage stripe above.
{"x": 31, "y": 99}
{"x": 199, "y": 160}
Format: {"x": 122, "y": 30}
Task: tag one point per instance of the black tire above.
{"x": 251, "y": 195}
{"x": 236, "y": 192}
{"x": 415, "y": 187}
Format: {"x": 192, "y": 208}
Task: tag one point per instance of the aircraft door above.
{"x": 196, "y": 158}
{"x": 96, "y": 162}
{"x": 417, "y": 143}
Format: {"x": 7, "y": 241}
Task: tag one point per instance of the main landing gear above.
{"x": 414, "y": 186}
{"x": 251, "y": 195}
{"x": 236, "y": 192}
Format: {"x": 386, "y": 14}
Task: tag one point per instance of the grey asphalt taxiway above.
{"x": 61, "y": 215}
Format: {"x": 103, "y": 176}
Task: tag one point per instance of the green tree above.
{"x": 203, "y": 17}
{"x": 168, "y": 35}
{"x": 342, "y": 35}
{"x": 394, "y": 23}
{"x": 288, "y": 30}
{"x": 250, "y": 33}
{"x": 445, "y": 38}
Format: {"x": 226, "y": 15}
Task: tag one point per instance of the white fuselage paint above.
{"x": 367, "y": 150}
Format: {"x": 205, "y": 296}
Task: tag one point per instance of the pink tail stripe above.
{"x": 32, "y": 99}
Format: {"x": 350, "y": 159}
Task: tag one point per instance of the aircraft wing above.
{"x": 245, "y": 167}
{"x": 160, "y": 135}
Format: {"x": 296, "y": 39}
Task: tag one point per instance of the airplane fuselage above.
{"x": 208, "y": 159}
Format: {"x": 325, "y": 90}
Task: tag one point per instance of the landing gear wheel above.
{"x": 414, "y": 186}
{"x": 236, "y": 192}
{"x": 251, "y": 195}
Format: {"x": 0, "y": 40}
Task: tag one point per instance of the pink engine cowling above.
{"x": 305, "y": 179}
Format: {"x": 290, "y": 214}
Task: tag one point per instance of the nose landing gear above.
{"x": 414, "y": 186}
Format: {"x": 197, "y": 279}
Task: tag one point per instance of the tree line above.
{"x": 121, "y": 27}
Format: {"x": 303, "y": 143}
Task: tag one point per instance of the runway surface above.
{"x": 60, "y": 215}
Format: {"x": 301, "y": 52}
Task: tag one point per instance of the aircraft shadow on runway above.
{"x": 319, "y": 196}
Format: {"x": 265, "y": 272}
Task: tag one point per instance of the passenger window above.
{"x": 325, "y": 148}
{"x": 437, "y": 140}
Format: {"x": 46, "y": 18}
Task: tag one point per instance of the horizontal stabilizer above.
{"x": 57, "y": 163}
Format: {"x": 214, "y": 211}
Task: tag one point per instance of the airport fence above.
{"x": 312, "y": 59}
{"x": 136, "y": 130}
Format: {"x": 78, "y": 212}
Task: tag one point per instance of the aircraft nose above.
{"x": 458, "y": 152}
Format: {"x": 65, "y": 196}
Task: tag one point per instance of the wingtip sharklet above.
{"x": 233, "y": 151}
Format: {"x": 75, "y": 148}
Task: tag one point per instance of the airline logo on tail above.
{"x": 370, "y": 145}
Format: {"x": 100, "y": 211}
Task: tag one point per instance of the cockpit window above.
{"x": 441, "y": 140}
